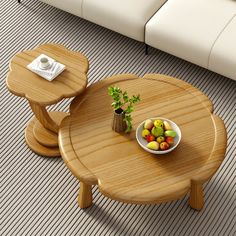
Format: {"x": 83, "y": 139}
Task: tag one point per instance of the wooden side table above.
{"x": 41, "y": 133}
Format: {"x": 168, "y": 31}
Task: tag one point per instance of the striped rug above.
{"x": 38, "y": 194}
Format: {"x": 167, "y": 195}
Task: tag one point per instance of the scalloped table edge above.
{"x": 194, "y": 185}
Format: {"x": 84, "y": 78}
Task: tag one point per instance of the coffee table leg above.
{"x": 196, "y": 200}
{"x": 85, "y": 198}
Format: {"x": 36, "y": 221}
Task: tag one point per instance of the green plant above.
{"x": 123, "y": 103}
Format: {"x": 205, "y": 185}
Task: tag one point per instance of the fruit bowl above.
{"x": 140, "y": 133}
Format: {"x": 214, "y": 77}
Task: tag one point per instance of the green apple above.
{"x": 157, "y": 131}
{"x": 170, "y": 133}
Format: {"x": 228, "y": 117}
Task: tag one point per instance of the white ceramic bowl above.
{"x": 143, "y": 143}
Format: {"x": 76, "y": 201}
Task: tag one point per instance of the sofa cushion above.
{"x": 71, "y": 6}
{"x": 188, "y": 29}
{"x": 127, "y": 17}
{"x": 223, "y": 54}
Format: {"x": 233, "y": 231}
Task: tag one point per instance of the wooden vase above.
{"x": 118, "y": 123}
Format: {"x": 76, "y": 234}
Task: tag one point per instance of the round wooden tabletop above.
{"x": 71, "y": 82}
{"x": 123, "y": 171}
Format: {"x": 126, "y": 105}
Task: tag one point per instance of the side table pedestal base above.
{"x": 41, "y": 140}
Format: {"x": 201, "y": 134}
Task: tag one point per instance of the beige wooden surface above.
{"x": 41, "y": 132}
{"x": 123, "y": 171}
{"x": 71, "y": 82}
{"x": 35, "y": 145}
{"x": 45, "y": 136}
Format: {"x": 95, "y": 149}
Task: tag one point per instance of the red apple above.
{"x": 164, "y": 146}
{"x": 148, "y": 124}
{"x": 170, "y": 140}
{"x": 150, "y": 138}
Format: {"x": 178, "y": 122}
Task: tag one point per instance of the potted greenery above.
{"x": 123, "y": 107}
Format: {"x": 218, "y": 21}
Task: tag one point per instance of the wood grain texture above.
{"x": 71, "y": 160}
{"x": 71, "y": 82}
{"x": 44, "y": 118}
{"x": 41, "y": 134}
{"x": 85, "y": 198}
{"x": 78, "y": 100}
{"x": 196, "y": 200}
{"x": 188, "y": 87}
{"x": 122, "y": 169}
{"x": 44, "y": 136}
{"x": 35, "y": 146}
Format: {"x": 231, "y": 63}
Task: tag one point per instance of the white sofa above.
{"x": 127, "y": 17}
{"x": 200, "y": 31}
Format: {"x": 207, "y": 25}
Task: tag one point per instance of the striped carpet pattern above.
{"x": 38, "y": 194}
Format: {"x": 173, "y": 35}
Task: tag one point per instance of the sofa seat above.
{"x": 200, "y": 31}
{"x": 223, "y": 54}
{"x": 71, "y": 6}
{"x": 127, "y": 17}
{"x": 189, "y": 29}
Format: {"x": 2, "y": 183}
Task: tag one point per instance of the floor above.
{"x": 39, "y": 194}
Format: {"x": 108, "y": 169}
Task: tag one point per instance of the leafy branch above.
{"x": 121, "y": 100}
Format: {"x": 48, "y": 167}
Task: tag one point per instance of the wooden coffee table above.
{"x": 41, "y": 133}
{"x": 123, "y": 171}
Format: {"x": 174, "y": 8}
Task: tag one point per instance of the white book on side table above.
{"x": 50, "y": 73}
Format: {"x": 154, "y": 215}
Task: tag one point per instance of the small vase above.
{"x": 118, "y": 123}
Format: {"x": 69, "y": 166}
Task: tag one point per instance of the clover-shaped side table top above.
{"x": 42, "y": 131}
{"x": 123, "y": 171}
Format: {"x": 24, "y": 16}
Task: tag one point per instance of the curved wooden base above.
{"x": 42, "y": 141}
{"x": 44, "y": 136}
